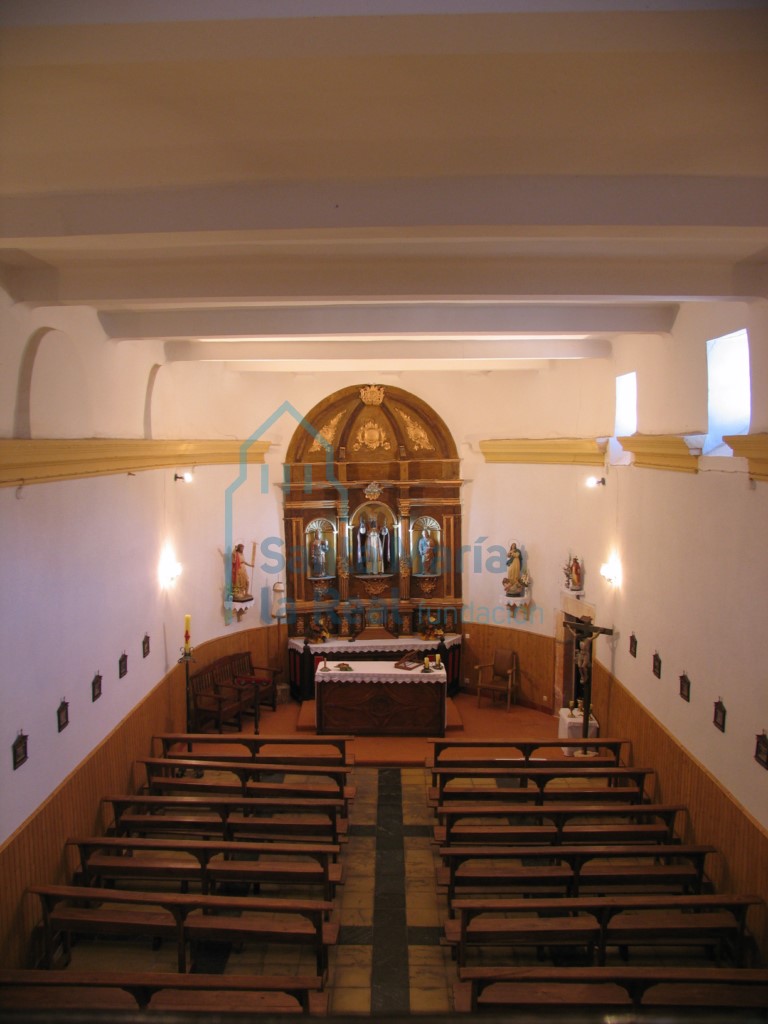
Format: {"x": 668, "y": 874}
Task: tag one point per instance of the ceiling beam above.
{"x": 494, "y": 320}
{"x": 402, "y": 351}
{"x": 533, "y": 200}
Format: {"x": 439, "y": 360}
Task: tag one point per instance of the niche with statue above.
{"x": 425, "y": 546}
{"x": 374, "y": 548}
{"x": 320, "y": 540}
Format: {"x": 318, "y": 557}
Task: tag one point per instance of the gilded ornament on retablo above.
{"x": 372, "y": 394}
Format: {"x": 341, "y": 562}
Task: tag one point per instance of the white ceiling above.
{"x": 462, "y": 191}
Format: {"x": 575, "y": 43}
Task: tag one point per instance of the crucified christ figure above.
{"x": 584, "y": 633}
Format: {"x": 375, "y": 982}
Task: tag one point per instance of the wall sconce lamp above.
{"x": 595, "y": 481}
{"x": 186, "y": 477}
{"x": 611, "y": 570}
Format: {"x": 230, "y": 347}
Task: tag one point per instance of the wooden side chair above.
{"x": 499, "y": 678}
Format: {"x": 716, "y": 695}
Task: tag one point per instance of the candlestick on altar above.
{"x": 187, "y": 634}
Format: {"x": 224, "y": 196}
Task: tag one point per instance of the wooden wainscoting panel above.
{"x": 713, "y": 815}
{"x": 35, "y": 853}
{"x": 536, "y": 654}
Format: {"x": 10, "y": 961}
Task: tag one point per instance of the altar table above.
{"x": 304, "y": 657}
{"x": 377, "y": 699}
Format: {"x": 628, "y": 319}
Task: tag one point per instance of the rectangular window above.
{"x": 626, "y": 405}
{"x": 625, "y": 419}
{"x": 729, "y": 398}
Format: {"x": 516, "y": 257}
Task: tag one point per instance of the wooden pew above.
{"x": 227, "y": 817}
{"x": 716, "y": 921}
{"x": 620, "y": 783}
{"x": 452, "y": 752}
{"x": 494, "y": 988}
{"x": 205, "y": 786}
{"x": 184, "y": 917}
{"x": 319, "y": 748}
{"x": 556, "y": 823}
{"x": 31, "y": 990}
{"x": 570, "y": 869}
{"x": 163, "y": 773}
{"x": 207, "y": 863}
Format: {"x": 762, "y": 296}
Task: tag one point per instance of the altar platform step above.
{"x": 306, "y": 719}
{"x": 467, "y": 721}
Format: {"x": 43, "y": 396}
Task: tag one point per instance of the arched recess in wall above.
{"x": 52, "y": 395}
{"x": 372, "y": 461}
{"x": 148, "y": 401}
{"x": 22, "y": 420}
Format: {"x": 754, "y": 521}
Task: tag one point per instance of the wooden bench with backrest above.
{"x": 496, "y": 988}
{"x": 186, "y": 918}
{"x": 293, "y": 787}
{"x": 327, "y": 779}
{"x": 228, "y": 689}
{"x": 715, "y": 921}
{"x": 467, "y": 821}
{"x": 448, "y": 752}
{"x": 540, "y": 783}
{"x": 207, "y": 863}
{"x": 37, "y": 990}
{"x": 230, "y": 816}
{"x": 284, "y": 749}
{"x": 571, "y": 869}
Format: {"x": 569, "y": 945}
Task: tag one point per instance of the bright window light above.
{"x": 625, "y": 420}
{"x": 626, "y": 405}
{"x": 729, "y": 401}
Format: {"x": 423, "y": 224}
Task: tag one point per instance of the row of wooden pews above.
{"x": 228, "y": 839}
{"x": 558, "y": 869}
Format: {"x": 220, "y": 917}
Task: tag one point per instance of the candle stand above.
{"x": 186, "y": 659}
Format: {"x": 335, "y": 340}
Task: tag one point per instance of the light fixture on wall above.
{"x": 611, "y": 570}
{"x": 595, "y": 481}
{"x": 187, "y": 477}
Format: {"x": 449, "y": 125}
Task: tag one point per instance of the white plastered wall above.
{"x": 79, "y": 559}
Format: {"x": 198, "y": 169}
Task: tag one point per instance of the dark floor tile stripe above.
{"x": 418, "y": 831}
{"x": 362, "y": 830}
{"x": 389, "y": 974}
{"x": 424, "y": 935}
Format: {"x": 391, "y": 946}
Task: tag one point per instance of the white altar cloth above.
{"x": 338, "y": 647}
{"x": 378, "y": 672}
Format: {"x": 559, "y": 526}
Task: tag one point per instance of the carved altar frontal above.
{"x": 378, "y": 699}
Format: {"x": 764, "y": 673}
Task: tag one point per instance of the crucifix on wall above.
{"x": 584, "y": 633}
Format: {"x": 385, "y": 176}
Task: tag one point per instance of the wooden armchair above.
{"x": 228, "y": 688}
{"x": 259, "y": 676}
{"x": 499, "y": 678}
